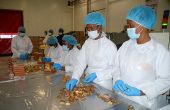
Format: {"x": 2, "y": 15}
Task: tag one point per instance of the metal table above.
{"x": 38, "y": 91}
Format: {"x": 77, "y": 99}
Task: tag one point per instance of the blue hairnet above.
{"x": 95, "y": 18}
{"x": 143, "y": 15}
{"x": 21, "y": 29}
{"x": 52, "y": 40}
{"x": 70, "y": 39}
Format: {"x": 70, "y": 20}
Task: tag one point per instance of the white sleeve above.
{"x": 60, "y": 60}
{"x": 49, "y": 52}
{"x": 116, "y": 69}
{"x": 81, "y": 63}
{"x": 46, "y": 50}
{"x": 14, "y": 47}
{"x": 60, "y": 56}
{"x": 30, "y": 46}
{"x": 55, "y": 60}
{"x": 69, "y": 68}
{"x": 162, "y": 83}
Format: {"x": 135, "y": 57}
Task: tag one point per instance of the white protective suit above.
{"x": 69, "y": 59}
{"x": 98, "y": 56}
{"x": 55, "y": 53}
{"x": 146, "y": 67}
{"x": 21, "y": 45}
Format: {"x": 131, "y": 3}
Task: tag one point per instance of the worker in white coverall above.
{"x": 49, "y": 34}
{"x": 144, "y": 64}
{"x": 97, "y": 54}
{"x": 67, "y": 61}
{"x": 21, "y": 45}
{"x": 55, "y": 51}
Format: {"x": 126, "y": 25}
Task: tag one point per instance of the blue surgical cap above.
{"x": 143, "y": 15}
{"x": 21, "y": 29}
{"x": 70, "y": 39}
{"x": 95, "y": 18}
{"x": 52, "y": 40}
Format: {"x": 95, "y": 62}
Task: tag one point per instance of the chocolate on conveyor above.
{"x": 48, "y": 67}
{"x": 131, "y": 107}
{"x": 66, "y": 97}
{"x": 32, "y": 67}
{"x": 108, "y": 99}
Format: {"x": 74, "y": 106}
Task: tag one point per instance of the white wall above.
{"x": 116, "y": 14}
{"x": 80, "y": 12}
{"x": 40, "y": 15}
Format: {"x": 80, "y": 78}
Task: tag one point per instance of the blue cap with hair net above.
{"x": 143, "y": 15}
{"x": 95, "y": 18}
{"x": 21, "y": 29}
{"x": 70, "y": 39}
{"x": 52, "y": 40}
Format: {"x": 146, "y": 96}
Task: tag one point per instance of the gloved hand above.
{"x": 120, "y": 86}
{"x": 90, "y": 78}
{"x": 132, "y": 91}
{"x": 23, "y": 56}
{"x": 57, "y": 66}
{"x": 46, "y": 59}
{"x": 70, "y": 84}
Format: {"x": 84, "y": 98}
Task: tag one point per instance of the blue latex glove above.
{"x": 120, "y": 86}
{"x": 57, "y": 66}
{"x": 46, "y": 59}
{"x": 24, "y": 56}
{"x": 90, "y": 78}
{"x": 132, "y": 91}
{"x": 70, "y": 84}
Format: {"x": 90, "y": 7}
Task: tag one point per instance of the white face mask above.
{"x": 93, "y": 34}
{"x": 65, "y": 48}
{"x": 132, "y": 33}
{"x": 21, "y": 34}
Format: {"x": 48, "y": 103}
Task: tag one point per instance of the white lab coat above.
{"x": 68, "y": 60}
{"x": 21, "y": 45}
{"x": 146, "y": 67}
{"x": 55, "y": 53}
{"x": 98, "y": 56}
